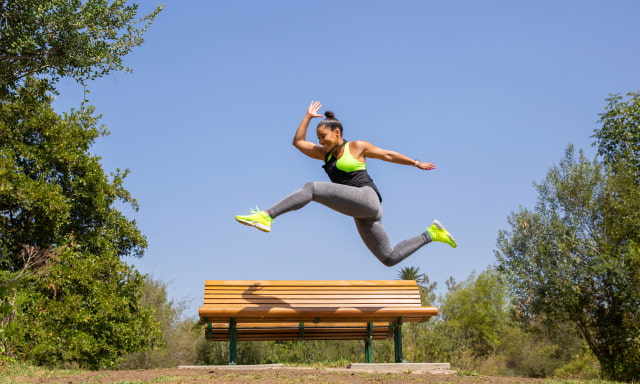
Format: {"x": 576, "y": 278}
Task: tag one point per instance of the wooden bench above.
{"x": 241, "y": 310}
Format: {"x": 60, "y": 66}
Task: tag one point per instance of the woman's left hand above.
{"x": 426, "y": 166}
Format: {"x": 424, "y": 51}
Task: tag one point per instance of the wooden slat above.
{"x": 309, "y": 283}
{"x": 371, "y": 293}
{"x": 296, "y": 325}
{"x": 372, "y": 306}
{"x": 383, "y": 301}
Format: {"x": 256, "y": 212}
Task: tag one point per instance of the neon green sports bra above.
{"x": 347, "y": 162}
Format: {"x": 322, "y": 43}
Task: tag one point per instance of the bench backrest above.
{"x": 266, "y": 300}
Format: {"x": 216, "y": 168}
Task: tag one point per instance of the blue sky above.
{"x": 492, "y": 92}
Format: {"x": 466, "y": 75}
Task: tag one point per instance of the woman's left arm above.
{"x": 365, "y": 149}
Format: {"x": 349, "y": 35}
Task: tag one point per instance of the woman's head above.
{"x": 329, "y": 130}
{"x": 330, "y": 122}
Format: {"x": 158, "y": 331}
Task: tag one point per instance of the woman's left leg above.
{"x": 376, "y": 239}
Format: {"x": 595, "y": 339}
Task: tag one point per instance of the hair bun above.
{"x": 329, "y": 115}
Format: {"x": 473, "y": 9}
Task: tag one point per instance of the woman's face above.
{"x": 328, "y": 138}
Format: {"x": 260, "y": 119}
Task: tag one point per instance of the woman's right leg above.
{"x": 351, "y": 201}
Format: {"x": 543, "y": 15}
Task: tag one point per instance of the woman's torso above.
{"x": 348, "y": 170}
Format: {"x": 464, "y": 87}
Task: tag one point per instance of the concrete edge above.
{"x": 248, "y": 367}
{"x": 433, "y": 368}
{"x": 403, "y": 367}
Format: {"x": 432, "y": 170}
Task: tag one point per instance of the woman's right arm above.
{"x": 300, "y": 141}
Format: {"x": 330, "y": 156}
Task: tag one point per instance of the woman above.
{"x": 351, "y": 192}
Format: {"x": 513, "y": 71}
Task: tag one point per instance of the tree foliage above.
{"x": 480, "y": 309}
{"x": 180, "y": 331}
{"x": 55, "y": 196}
{"x": 52, "y": 39}
{"x": 86, "y": 310}
{"x": 52, "y": 190}
{"x": 575, "y": 257}
{"x": 85, "y": 306}
{"x": 426, "y": 287}
{"x": 618, "y": 140}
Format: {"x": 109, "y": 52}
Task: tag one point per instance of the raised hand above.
{"x": 313, "y": 109}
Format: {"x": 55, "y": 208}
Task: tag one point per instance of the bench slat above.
{"x": 309, "y": 283}
{"x": 318, "y": 292}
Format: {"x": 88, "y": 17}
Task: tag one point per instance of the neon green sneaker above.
{"x": 257, "y": 219}
{"x": 439, "y": 233}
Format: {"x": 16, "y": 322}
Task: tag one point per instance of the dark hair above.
{"x": 330, "y": 122}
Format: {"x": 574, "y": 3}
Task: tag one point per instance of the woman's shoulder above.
{"x": 359, "y": 144}
{"x": 358, "y": 148}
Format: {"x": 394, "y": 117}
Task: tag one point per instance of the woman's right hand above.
{"x": 313, "y": 109}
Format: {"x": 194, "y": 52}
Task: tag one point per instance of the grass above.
{"x": 11, "y": 373}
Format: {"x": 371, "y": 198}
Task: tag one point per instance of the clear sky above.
{"x": 492, "y": 92}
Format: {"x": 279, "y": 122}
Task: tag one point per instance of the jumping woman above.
{"x": 351, "y": 190}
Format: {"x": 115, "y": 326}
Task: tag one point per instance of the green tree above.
{"x": 426, "y": 287}
{"x": 52, "y": 39}
{"x": 179, "y": 332}
{"x": 480, "y": 309}
{"x": 55, "y": 196}
{"x": 86, "y": 310}
{"x": 35, "y": 262}
{"x": 575, "y": 258}
{"x": 618, "y": 139}
{"x": 53, "y": 191}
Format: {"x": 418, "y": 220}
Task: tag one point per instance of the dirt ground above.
{"x": 266, "y": 376}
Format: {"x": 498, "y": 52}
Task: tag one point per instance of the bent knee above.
{"x": 388, "y": 260}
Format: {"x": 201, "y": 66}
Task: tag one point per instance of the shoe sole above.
{"x": 254, "y": 224}
{"x": 442, "y": 228}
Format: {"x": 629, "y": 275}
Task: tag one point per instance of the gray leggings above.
{"x": 364, "y": 206}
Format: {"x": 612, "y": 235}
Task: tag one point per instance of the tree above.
{"x": 51, "y": 39}
{"x": 427, "y": 288}
{"x": 480, "y": 309}
{"x": 619, "y": 137}
{"x": 86, "y": 310}
{"x": 35, "y": 262}
{"x": 179, "y": 332}
{"x": 53, "y": 191}
{"x": 85, "y": 307}
{"x": 55, "y": 196}
{"x": 575, "y": 258}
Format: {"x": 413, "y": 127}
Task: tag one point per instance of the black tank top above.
{"x": 359, "y": 178}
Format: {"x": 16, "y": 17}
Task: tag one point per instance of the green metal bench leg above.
{"x": 397, "y": 340}
{"x": 233, "y": 341}
{"x": 367, "y": 343}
